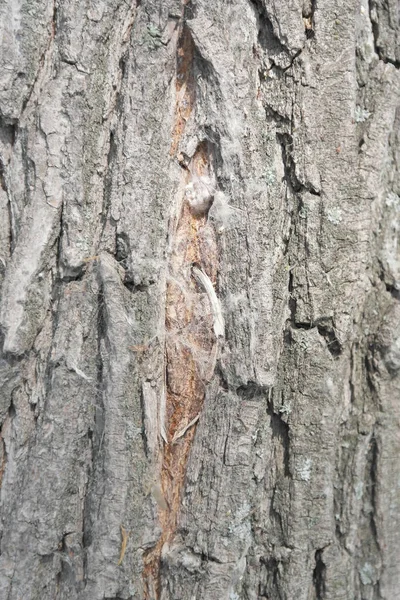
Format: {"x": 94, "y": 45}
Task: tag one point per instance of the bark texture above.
{"x": 200, "y": 316}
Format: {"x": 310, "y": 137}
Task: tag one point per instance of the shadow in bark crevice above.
{"x": 319, "y": 575}
{"x": 327, "y": 330}
{"x": 280, "y": 432}
{"x": 272, "y": 587}
{"x": 267, "y": 38}
{"x": 372, "y": 5}
{"x": 286, "y": 142}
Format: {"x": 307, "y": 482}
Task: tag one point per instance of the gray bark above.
{"x": 159, "y": 439}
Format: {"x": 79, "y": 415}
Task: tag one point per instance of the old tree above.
{"x": 200, "y": 316}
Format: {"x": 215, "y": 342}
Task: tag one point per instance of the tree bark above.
{"x": 200, "y": 316}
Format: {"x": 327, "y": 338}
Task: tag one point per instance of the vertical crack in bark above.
{"x": 292, "y": 300}
{"x": 280, "y": 431}
{"x": 86, "y": 506}
{"x": 95, "y": 439}
{"x": 3, "y": 186}
{"x": 267, "y": 36}
{"x": 185, "y": 87}
{"x": 5, "y": 433}
{"x": 273, "y": 587}
{"x": 8, "y": 134}
{"x": 107, "y": 182}
{"x": 308, "y": 18}
{"x": 373, "y": 461}
{"x": 372, "y": 464}
{"x": 59, "y": 243}
{"x": 3, "y": 458}
{"x": 319, "y": 576}
{"x": 352, "y": 378}
{"x": 191, "y": 345}
{"x": 286, "y": 142}
{"x": 369, "y": 551}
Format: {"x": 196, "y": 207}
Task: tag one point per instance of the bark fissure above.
{"x": 319, "y": 574}
{"x": 374, "y": 19}
{"x": 267, "y": 36}
{"x": 190, "y": 341}
{"x": 3, "y": 185}
{"x": 369, "y": 559}
{"x": 286, "y": 142}
{"x": 281, "y": 431}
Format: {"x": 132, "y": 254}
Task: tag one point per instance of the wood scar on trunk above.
{"x": 194, "y": 323}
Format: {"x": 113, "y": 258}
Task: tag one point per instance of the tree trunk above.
{"x": 200, "y": 316}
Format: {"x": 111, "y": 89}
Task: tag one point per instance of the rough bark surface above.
{"x": 200, "y": 309}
